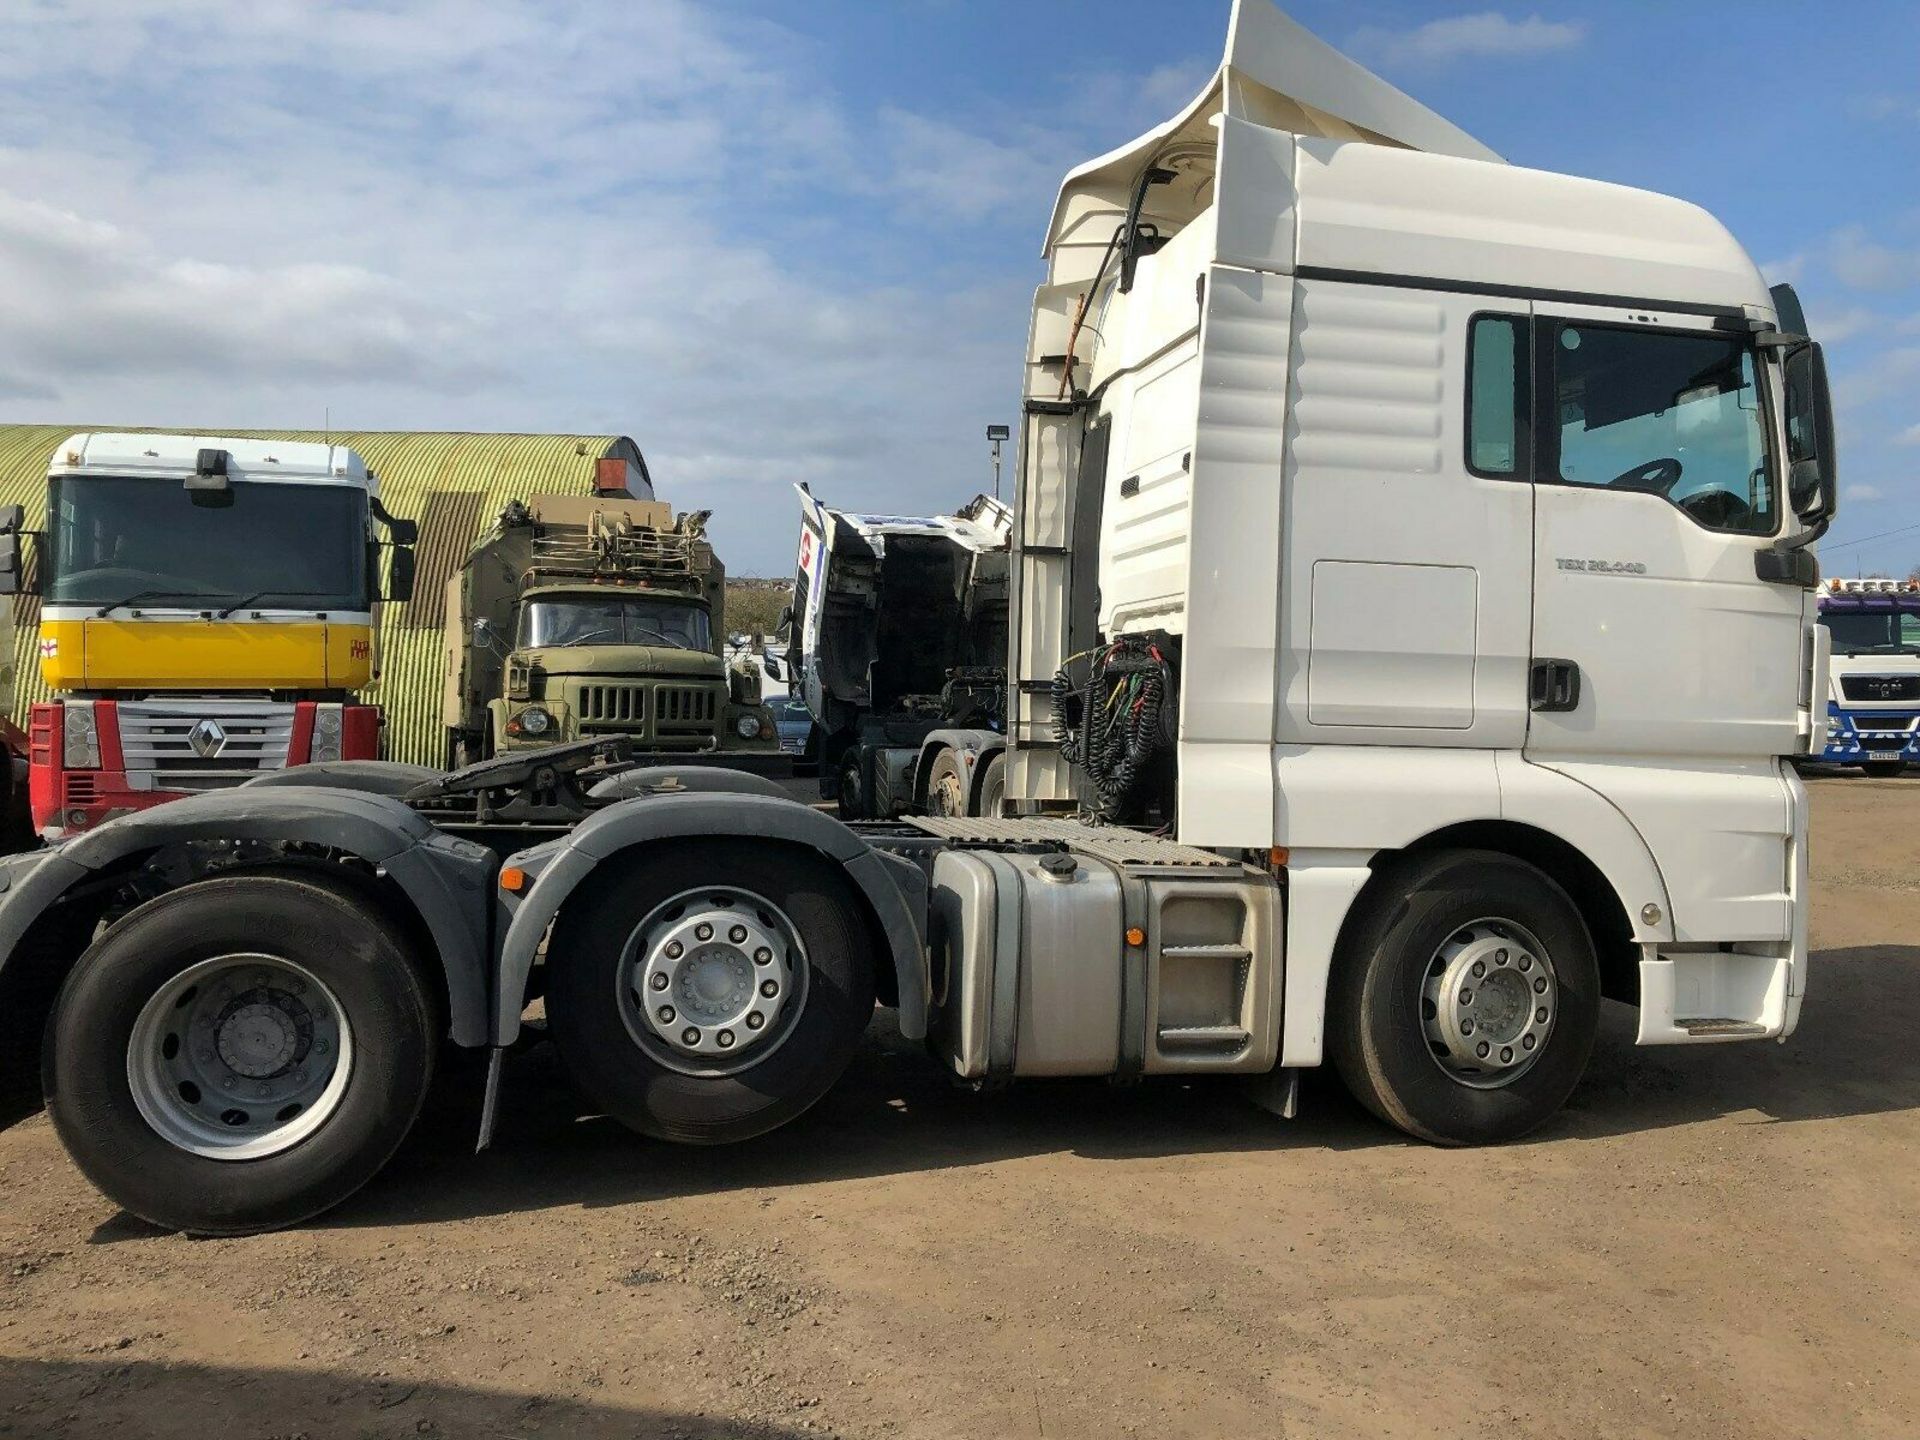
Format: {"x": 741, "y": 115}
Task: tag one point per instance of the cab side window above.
{"x": 1497, "y": 401}
{"x": 1665, "y": 413}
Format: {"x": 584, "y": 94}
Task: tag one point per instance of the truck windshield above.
{"x": 1874, "y": 634}
{"x": 284, "y": 546}
{"x": 559, "y": 620}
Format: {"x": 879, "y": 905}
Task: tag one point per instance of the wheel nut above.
{"x": 319, "y": 1047}
{"x": 1499, "y": 957}
{"x": 763, "y": 956}
{"x": 738, "y": 934}
{"x": 675, "y": 950}
{"x": 769, "y": 989}
{"x": 1466, "y": 997}
{"x": 703, "y": 931}
{"x": 725, "y": 1037}
{"x": 667, "y": 1013}
{"x": 1481, "y": 1049}
{"x": 690, "y": 1036}
{"x": 1466, "y": 1027}
{"x": 756, "y": 1020}
{"x": 1539, "y": 984}
{"x": 1527, "y": 1042}
{"x": 1540, "y": 1016}
{"x": 659, "y": 981}
{"x": 1526, "y": 962}
{"x": 1506, "y": 1054}
{"x": 1479, "y": 968}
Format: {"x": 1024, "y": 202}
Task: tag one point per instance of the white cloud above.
{"x": 1909, "y": 436}
{"x": 653, "y": 218}
{"x": 1458, "y": 37}
{"x": 1862, "y": 494}
{"x": 1865, "y": 264}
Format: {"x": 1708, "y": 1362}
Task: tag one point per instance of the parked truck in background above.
{"x": 207, "y": 615}
{"x": 598, "y": 616}
{"x": 898, "y": 645}
{"x": 1873, "y": 678}
{"x": 1411, "y": 618}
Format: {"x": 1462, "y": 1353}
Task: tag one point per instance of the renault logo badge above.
{"x": 207, "y": 738}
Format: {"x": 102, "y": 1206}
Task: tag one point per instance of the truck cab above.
{"x": 898, "y": 637}
{"x": 1873, "y": 678}
{"x": 207, "y": 615}
{"x": 1442, "y": 504}
{"x": 597, "y": 617}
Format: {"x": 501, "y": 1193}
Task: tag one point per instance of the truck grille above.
{"x": 684, "y": 707}
{"x": 613, "y": 707}
{"x": 1882, "y": 689}
{"x": 156, "y": 741}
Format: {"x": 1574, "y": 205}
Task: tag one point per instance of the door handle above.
{"x": 1554, "y": 686}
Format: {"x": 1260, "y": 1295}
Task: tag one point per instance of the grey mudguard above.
{"x": 894, "y": 889}
{"x": 447, "y": 880}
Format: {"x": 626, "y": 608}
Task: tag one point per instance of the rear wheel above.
{"x": 946, "y": 786}
{"x": 240, "y": 1054}
{"x": 713, "y": 992}
{"x": 993, "y": 786}
{"x": 1465, "y": 999}
{"x": 1884, "y": 769}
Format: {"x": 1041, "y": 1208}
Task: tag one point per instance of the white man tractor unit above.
{"x": 1412, "y": 618}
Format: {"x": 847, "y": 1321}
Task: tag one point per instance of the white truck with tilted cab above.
{"x": 1412, "y": 618}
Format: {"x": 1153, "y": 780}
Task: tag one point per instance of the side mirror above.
{"x": 483, "y": 634}
{"x": 400, "y": 575}
{"x": 403, "y": 532}
{"x": 12, "y": 518}
{"x": 775, "y": 667}
{"x": 1812, "y": 476}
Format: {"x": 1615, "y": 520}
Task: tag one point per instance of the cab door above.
{"x": 1656, "y": 486}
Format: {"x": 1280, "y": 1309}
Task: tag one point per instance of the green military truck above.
{"x": 580, "y": 617}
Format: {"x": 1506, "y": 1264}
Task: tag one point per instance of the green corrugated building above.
{"x": 453, "y": 483}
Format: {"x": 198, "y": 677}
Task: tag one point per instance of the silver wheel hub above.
{"x": 1489, "y": 998}
{"x": 712, "y": 980}
{"x": 239, "y": 1057}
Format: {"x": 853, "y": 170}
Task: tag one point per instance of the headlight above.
{"x": 535, "y": 721}
{"x": 80, "y": 750}
{"x": 747, "y": 727}
{"x": 326, "y": 733}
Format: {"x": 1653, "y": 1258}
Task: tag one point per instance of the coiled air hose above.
{"x": 1121, "y": 717}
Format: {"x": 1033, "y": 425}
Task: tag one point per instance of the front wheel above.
{"x": 1465, "y": 999}
{"x": 239, "y": 1054}
{"x": 1884, "y": 769}
{"x": 711, "y": 992}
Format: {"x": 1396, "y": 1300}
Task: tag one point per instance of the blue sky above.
{"x": 778, "y": 241}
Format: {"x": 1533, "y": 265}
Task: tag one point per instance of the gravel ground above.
{"x": 1717, "y": 1241}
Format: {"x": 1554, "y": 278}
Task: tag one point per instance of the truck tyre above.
{"x": 852, "y": 800}
{"x": 240, "y": 1054}
{"x": 1884, "y": 769}
{"x": 1465, "y": 998}
{"x": 993, "y": 786}
{"x": 946, "y": 785}
{"x": 710, "y": 992}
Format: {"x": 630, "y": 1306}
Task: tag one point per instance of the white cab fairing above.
{"x": 1262, "y": 448}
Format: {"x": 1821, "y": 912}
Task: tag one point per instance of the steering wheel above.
{"x": 1718, "y": 509}
{"x": 1656, "y": 477}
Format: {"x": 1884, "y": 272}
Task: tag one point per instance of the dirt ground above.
{"x": 1715, "y": 1241}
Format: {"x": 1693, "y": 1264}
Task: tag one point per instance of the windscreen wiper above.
{"x": 247, "y": 600}
{"x": 113, "y": 605}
